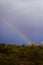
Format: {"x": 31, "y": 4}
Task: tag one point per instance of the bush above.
{"x": 21, "y": 54}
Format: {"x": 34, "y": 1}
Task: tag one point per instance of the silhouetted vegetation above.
{"x": 11, "y": 54}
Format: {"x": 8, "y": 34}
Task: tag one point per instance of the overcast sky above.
{"x": 26, "y": 15}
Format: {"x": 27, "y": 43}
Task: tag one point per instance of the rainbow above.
{"x": 17, "y": 31}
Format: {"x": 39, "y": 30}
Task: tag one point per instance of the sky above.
{"x": 21, "y": 21}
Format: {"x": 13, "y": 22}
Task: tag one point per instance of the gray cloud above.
{"x": 22, "y": 13}
{"x": 26, "y": 15}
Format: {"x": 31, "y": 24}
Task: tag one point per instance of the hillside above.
{"x": 11, "y": 54}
